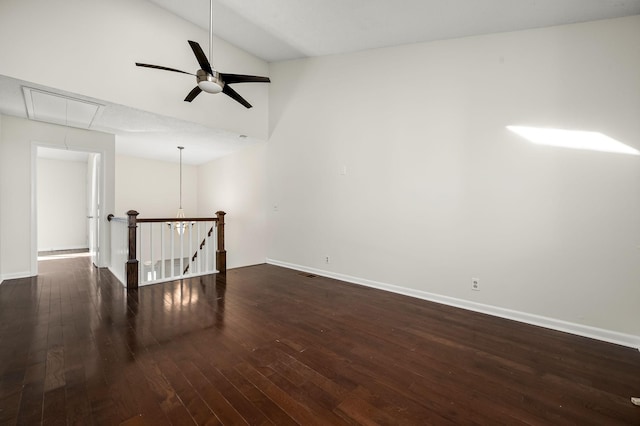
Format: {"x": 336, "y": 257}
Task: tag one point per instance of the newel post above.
{"x": 132, "y": 262}
{"x": 221, "y": 253}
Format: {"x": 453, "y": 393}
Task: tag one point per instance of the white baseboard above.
{"x": 15, "y": 275}
{"x": 113, "y": 272}
{"x": 610, "y": 336}
{"x": 63, "y": 248}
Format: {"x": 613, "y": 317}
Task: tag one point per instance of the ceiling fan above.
{"x": 207, "y": 78}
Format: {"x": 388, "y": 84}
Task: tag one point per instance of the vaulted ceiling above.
{"x": 277, "y": 30}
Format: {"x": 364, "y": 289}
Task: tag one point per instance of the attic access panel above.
{"x": 60, "y": 109}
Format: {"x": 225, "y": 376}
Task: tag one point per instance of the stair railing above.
{"x": 166, "y": 249}
{"x": 203, "y": 244}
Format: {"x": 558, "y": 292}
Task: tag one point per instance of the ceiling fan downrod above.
{"x": 211, "y": 33}
{"x": 207, "y": 78}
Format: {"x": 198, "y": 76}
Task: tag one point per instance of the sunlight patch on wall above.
{"x": 574, "y": 139}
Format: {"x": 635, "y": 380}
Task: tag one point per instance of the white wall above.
{"x": 236, "y": 184}
{"x": 62, "y": 204}
{"x": 18, "y": 141}
{"x": 153, "y": 187}
{"x": 2, "y": 190}
{"x": 90, "y": 47}
{"x": 437, "y": 191}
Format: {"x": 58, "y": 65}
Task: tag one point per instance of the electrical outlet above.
{"x": 326, "y": 259}
{"x": 475, "y": 284}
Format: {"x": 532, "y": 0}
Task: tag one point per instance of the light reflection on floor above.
{"x": 61, "y": 255}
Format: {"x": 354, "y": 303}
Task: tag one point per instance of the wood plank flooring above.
{"x": 267, "y": 345}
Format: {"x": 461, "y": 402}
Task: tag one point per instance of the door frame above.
{"x": 102, "y": 258}
{"x": 93, "y": 206}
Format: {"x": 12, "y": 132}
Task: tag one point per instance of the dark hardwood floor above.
{"x": 267, "y": 345}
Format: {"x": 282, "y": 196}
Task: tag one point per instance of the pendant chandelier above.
{"x": 180, "y": 225}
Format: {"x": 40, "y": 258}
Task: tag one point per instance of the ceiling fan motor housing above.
{"x": 210, "y": 83}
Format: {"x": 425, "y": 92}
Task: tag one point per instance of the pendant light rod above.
{"x": 181, "y": 148}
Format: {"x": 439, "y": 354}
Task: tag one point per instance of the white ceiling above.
{"x": 278, "y": 30}
{"x": 138, "y": 133}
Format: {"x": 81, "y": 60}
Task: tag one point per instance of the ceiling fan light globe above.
{"x": 209, "y": 83}
{"x": 209, "y": 86}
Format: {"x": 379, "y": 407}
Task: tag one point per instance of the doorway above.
{"x": 68, "y": 203}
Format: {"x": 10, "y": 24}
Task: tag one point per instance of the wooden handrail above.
{"x": 177, "y": 219}
{"x": 133, "y": 220}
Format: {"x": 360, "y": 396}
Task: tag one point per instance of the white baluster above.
{"x": 190, "y": 251}
{"x": 212, "y": 248}
{"x": 163, "y": 255}
{"x": 151, "y": 274}
{"x": 181, "y": 249}
{"x": 206, "y": 246}
{"x": 198, "y": 241}
{"x": 173, "y": 251}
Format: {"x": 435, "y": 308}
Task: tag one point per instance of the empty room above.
{"x": 319, "y": 212}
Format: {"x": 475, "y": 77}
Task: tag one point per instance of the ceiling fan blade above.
{"x": 227, "y": 90}
{"x": 200, "y": 56}
{"x": 241, "y": 78}
{"x": 192, "y": 94}
{"x": 162, "y": 68}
